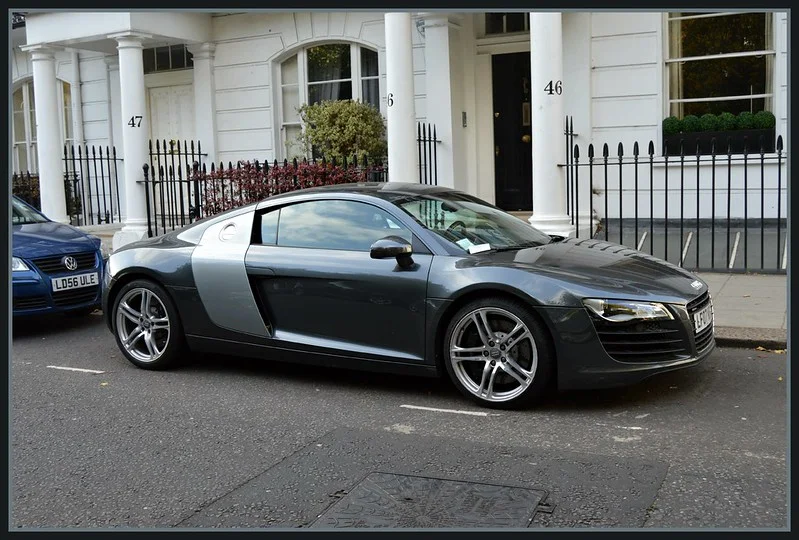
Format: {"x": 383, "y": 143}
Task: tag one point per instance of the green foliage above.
{"x": 709, "y": 122}
{"x": 691, "y": 124}
{"x": 672, "y": 125}
{"x": 727, "y": 122}
{"x": 765, "y": 120}
{"x": 746, "y": 120}
{"x": 339, "y": 129}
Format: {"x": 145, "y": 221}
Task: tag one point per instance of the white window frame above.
{"x": 356, "y": 79}
{"x": 30, "y": 143}
{"x": 668, "y": 61}
{"x": 483, "y": 32}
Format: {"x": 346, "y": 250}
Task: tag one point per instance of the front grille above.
{"x": 75, "y": 296}
{"x": 53, "y": 264}
{"x": 703, "y": 339}
{"x": 642, "y": 341}
{"x": 30, "y": 302}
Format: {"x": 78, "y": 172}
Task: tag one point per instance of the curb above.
{"x": 751, "y": 338}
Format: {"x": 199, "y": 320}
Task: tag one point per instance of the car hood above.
{"x": 50, "y": 238}
{"x": 594, "y": 267}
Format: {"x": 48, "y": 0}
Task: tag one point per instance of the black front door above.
{"x": 513, "y": 159}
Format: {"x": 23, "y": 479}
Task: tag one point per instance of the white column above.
{"x": 403, "y": 159}
{"x": 77, "y": 102}
{"x": 114, "y": 126}
{"x": 204, "y": 102}
{"x": 49, "y": 148}
{"x": 135, "y": 130}
{"x": 547, "y": 115}
{"x": 438, "y": 82}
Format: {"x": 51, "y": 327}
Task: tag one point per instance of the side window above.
{"x": 342, "y": 225}
{"x": 269, "y": 227}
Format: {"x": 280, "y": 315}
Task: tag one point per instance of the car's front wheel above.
{"x": 498, "y": 354}
{"x": 147, "y": 326}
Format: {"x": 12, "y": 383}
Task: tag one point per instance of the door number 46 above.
{"x": 556, "y": 88}
{"x": 135, "y": 121}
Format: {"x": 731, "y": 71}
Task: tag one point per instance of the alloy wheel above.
{"x": 142, "y": 324}
{"x": 493, "y": 354}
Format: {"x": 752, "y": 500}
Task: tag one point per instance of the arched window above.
{"x": 336, "y": 71}
{"x": 23, "y": 127}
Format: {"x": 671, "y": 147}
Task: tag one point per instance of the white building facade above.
{"x": 497, "y": 87}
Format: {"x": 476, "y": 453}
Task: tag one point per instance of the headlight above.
{"x": 622, "y": 310}
{"x": 17, "y": 265}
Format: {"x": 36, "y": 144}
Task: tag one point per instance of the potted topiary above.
{"x": 726, "y": 128}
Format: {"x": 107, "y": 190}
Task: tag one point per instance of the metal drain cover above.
{"x": 401, "y": 501}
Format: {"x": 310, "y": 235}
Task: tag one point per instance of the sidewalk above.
{"x": 750, "y": 310}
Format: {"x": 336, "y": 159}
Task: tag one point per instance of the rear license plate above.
{"x": 703, "y": 318}
{"x": 75, "y": 282}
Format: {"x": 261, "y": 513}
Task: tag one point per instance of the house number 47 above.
{"x": 135, "y": 121}
{"x": 556, "y": 88}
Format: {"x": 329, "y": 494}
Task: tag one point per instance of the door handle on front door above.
{"x": 496, "y": 150}
{"x": 526, "y": 138}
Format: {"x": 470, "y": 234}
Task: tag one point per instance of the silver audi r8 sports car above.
{"x": 407, "y": 278}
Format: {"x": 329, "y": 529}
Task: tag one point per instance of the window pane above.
{"x": 342, "y": 225}
{"x": 329, "y": 62}
{"x": 371, "y": 92}
{"x": 148, "y": 57}
{"x": 19, "y": 127}
{"x": 329, "y": 92}
{"x": 269, "y": 227}
{"x": 698, "y": 108}
{"x": 21, "y": 156}
{"x": 67, "y": 110}
{"x": 369, "y": 66}
{"x": 718, "y": 78}
{"x": 514, "y": 22}
{"x": 189, "y": 59}
{"x": 32, "y": 109}
{"x": 18, "y": 100}
{"x": 293, "y": 149}
{"x": 162, "y": 58}
{"x": 178, "y": 55}
{"x": 288, "y": 71}
{"x": 718, "y": 35}
{"x": 291, "y": 101}
{"x": 494, "y": 23}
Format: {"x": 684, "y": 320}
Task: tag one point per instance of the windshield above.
{"x": 22, "y": 214}
{"x": 471, "y": 224}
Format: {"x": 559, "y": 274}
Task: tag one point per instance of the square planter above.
{"x": 671, "y": 143}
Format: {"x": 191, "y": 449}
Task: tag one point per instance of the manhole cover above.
{"x": 400, "y": 501}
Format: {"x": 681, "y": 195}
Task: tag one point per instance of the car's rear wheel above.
{"x": 147, "y": 326}
{"x": 498, "y": 354}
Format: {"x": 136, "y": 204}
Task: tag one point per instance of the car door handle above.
{"x": 260, "y": 271}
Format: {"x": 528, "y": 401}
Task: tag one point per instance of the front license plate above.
{"x": 75, "y": 282}
{"x": 703, "y": 318}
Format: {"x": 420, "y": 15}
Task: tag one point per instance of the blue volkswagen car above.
{"x": 55, "y": 268}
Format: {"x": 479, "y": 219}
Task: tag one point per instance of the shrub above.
{"x": 339, "y": 129}
{"x": 727, "y": 122}
{"x": 709, "y": 122}
{"x": 691, "y": 124}
{"x": 672, "y": 125}
{"x": 746, "y": 120}
{"x": 765, "y": 120}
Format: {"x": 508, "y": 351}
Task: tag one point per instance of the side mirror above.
{"x": 393, "y": 246}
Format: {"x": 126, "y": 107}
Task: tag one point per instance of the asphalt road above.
{"x": 237, "y": 443}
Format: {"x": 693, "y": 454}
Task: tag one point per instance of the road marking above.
{"x": 641, "y": 243}
{"x": 454, "y": 411}
{"x": 735, "y": 248}
{"x": 626, "y": 439}
{"x": 399, "y": 428}
{"x": 785, "y": 255}
{"x": 77, "y": 369}
{"x": 685, "y": 249}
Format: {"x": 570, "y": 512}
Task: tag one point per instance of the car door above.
{"x": 319, "y": 289}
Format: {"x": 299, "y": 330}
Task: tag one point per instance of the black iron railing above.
{"x": 179, "y": 195}
{"x": 721, "y": 211}
{"x": 91, "y": 174}
{"x": 426, "y": 142}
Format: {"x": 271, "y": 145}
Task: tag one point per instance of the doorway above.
{"x": 513, "y": 158}
{"x": 172, "y": 113}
